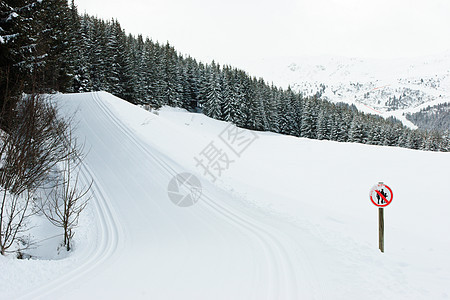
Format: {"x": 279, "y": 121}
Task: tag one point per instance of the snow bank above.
{"x": 289, "y": 218}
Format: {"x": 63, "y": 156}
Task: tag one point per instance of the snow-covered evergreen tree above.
{"x": 55, "y": 45}
{"x": 79, "y": 62}
{"x": 213, "y": 102}
{"x": 17, "y": 49}
{"x": 323, "y": 126}
{"x": 356, "y": 133}
{"x": 308, "y": 127}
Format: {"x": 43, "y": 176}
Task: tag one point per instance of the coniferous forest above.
{"x": 46, "y": 46}
{"x": 432, "y": 117}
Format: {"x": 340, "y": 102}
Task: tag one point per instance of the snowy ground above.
{"x": 289, "y": 218}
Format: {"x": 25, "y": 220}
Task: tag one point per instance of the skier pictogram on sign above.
{"x": 381, "y": 195}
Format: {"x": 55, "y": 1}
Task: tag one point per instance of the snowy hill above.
{"x": 284, "y": 218}
{"x": 389, "y": 87}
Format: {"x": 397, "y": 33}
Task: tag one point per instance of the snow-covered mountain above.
{"x": 285, "y": 217}
{"x": 389, "y": 87}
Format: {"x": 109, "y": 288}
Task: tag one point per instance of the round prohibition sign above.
{"x": 381, "y": 195}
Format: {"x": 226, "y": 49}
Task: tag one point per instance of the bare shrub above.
{"x": 32, "y": 143}
{"x": 67, "y": 200}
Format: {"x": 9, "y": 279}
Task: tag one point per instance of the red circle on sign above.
{"x": 375, "y": 190}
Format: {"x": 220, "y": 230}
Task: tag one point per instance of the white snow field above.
{"x": 289, "y": 218}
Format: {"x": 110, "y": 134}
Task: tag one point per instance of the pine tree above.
{"x": 445, "y": 144}
{"x": 98, "y": 69}
{"x": 55, "y": 45}
{"x": 15, "y": 46}
{"x": 242, "y": 98}
{"x": 171, "y": 87}
{"x": 261, "y": 117}
{"x": 213, "y": 102}
{"x": 190, "y": 84}
{"x": 432, "y": 141}
{"x": 229, "y": 101}
{"x": 153, "y": 80}
{"x": 333, "y": 126}
{"x": 76, "y": 56}
{"x": 308, "y": 127}
{"x": 285, "y": 120}
{"x": 294, "y": 113}
{"x": 356, "y": 133}
{"x": 323, "y": 128}
{"x": 378, "y": 135}
{"x": 272, "y": 109}
{"x": 344, "y": 122}
{"x": 82, "y": 81}
{"x": 115, "y": 58}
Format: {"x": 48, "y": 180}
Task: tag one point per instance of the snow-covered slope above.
{"x": 289, "y": 218}
{"x": 389, "y": 87}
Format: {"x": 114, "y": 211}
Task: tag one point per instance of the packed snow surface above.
{"x": 287, "y": 218}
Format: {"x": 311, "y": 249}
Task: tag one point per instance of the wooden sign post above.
{"x": 380, "y": 229}
{"x": 383, "y": 195}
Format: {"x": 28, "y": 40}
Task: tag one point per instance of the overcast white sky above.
{"x": 231, "y": 31}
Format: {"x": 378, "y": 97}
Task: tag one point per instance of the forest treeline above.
{"x": 432, "y": 117}
{"x": 47, "y": 46}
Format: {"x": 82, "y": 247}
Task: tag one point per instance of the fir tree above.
{"x": 213, "y": 102}
{"x": 356, "y": 134}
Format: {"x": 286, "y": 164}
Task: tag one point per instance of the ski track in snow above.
{"x": 108, "y": 239}
{"x": 282, "y": 284}
{"x": 274, "y": 276}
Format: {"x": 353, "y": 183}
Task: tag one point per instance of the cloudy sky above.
{"x": 231, "y": 31}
